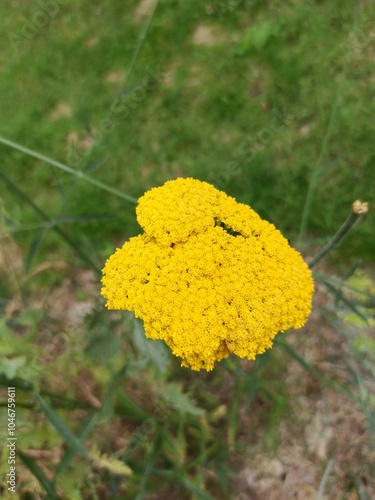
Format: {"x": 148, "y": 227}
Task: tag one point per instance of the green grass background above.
{"x": 311, "y": 61}
{"x": 272, "y": 102}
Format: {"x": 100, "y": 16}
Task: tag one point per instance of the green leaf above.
{"x": 9, "y": 367}
{"x": 173, "y": 395}
{"x": 115, "y": 466}
{"x": 103, "y": 347}
{"x": 61, "y": 427}
{"x": 194, "y": 489}
{"x": 71, "y": 452}
{"x": 148, "y": 468}
{"x": 154, "y": 352}
{"x": 39, "y": 474}
{"x": 129, "y": 408}
{"x": 102, "y": 415}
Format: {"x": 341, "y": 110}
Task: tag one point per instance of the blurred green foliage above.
{"x": 270, "y": 101}
{"x": 256, "y": 97}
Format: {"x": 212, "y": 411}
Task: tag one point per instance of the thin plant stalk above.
{"x": 325, "y": 478}
{"x": 65, "y": 168}
{"x": 358, "y": 211}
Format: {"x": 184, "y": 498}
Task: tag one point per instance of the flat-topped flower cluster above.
{"x": 208, "y": 276}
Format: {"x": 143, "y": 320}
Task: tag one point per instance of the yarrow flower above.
{"x": 208, "y": 276}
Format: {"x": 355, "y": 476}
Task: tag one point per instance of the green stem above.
{"x": 65, "y": 168}
{"x": 19, "y": 383}
{"x": 350, "y": 222}
{"x": 25, "y": 385}
{"x": 50, "y": 224}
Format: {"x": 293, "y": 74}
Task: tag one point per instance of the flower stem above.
{"x": 358, "y": 210}
{"x": 65, "y": 168}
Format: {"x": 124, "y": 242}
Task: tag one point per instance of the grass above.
{"x": 311, "y": 65}
{"x": 269, "y": 101}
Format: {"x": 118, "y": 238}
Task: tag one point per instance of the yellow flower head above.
{"x": 208, "y": 276}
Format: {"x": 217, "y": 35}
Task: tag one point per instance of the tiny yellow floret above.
{"x": 208, "y": 275}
